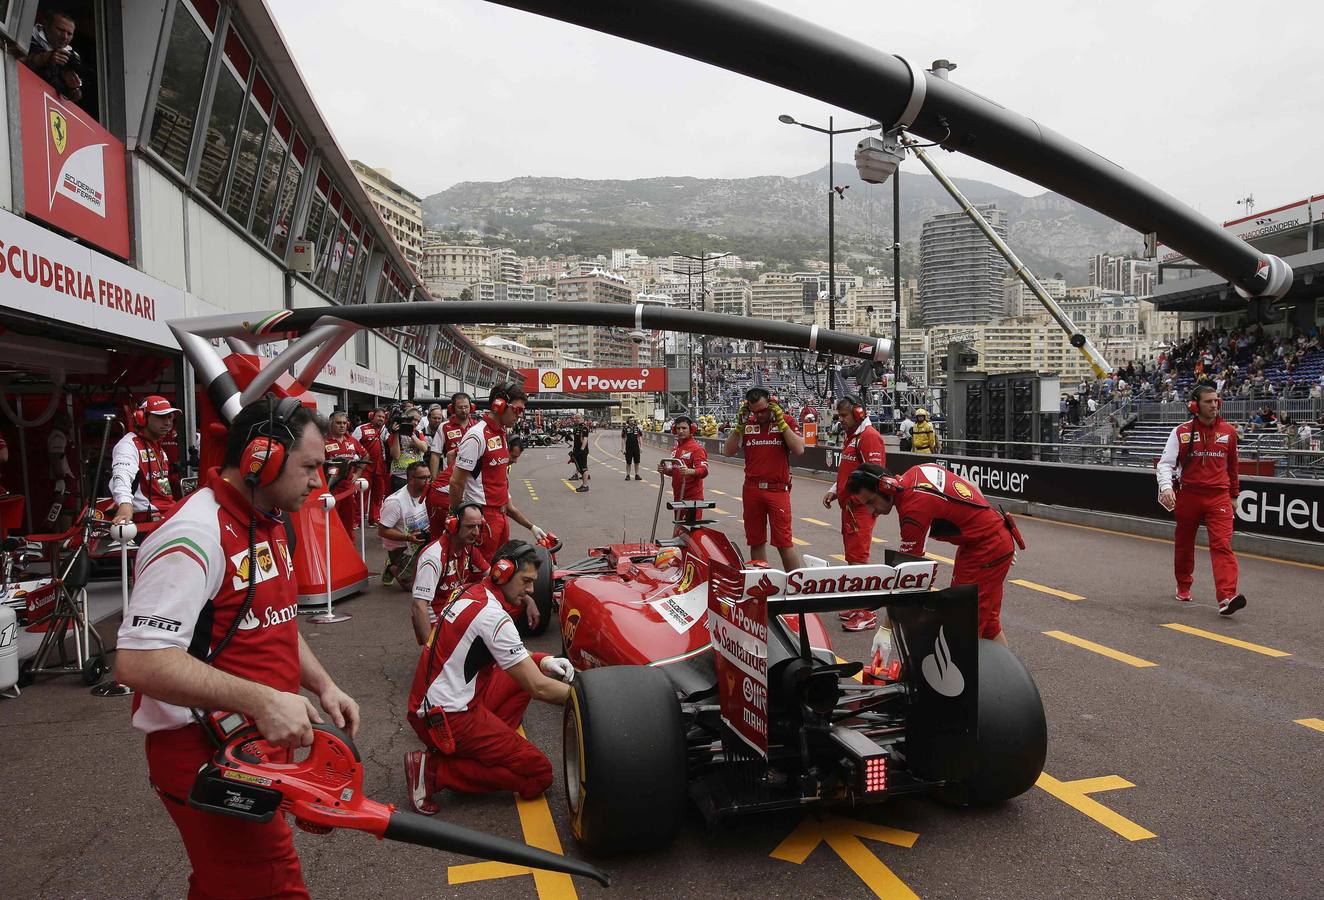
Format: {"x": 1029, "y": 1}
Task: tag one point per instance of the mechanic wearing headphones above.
{"x": 372, "y": 436}
{"x": 934, "y": 502}
{"x": 770, "y": 438}
{"x": 447, "y": 565}
{"x": 473, "y": 683}
{"x": 686, "y": 476}
{"x": 139, "y": 467}
{"x": 212, "y": 625}
{"x": 482, "y": 464}
{"x": 446, "y": 440}
{"x": 345, "y": 459}
{"x": 862, "y": 444}
{"x": 1198, "y": 480}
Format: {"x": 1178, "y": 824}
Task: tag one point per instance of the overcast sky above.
{"x": 1208, "y": 99}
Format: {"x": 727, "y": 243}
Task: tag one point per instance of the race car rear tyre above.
{"x": 1013, "y": 734}
{"x": 624, "y": 759}
{"x": 542, "y": 596}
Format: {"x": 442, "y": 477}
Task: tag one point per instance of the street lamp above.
{"x": 703, "y": 261}
{"x": 832, "y": 256}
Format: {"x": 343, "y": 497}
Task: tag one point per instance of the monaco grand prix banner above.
{"x": 584, "y": 381}
{"x": 73, "y": 169}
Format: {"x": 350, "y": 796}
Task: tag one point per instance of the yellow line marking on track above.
{"x": 535, "y": 819}
{"x": 720, "y": 493}
{"x": 1224, "y": 639}
{"x": 718, "y": 509}
{"x": 814, "y": 521}
{"x": 1317, "y": 724}
{"x": 843, "y": 837}
{"x": 839, "y": 556}
{"x": 795, "y": 540}
{"x": 1156, "y": 540}
{"x": 1101, "y": 650}
{"x": 877, "y": 540}
{"x": 942, "y": 559}
{"x": 568, "y": 485}
{"x": 1073, "y": 794}
{"x": 1044, "y": 589}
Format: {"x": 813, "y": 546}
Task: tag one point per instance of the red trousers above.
{"x": 379, "y": 486}
{"x": 856, "y": 531}
{"x": 231, "y": 858}
{"x": 1214, "y": 508}
{"x": 986, "y": 564}
{"x": 496, "y": 530}
{"x": 489, "y": 755}
{"x": 764, "y": 508}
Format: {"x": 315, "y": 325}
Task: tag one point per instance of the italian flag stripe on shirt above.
{"x": 179, "y": 545}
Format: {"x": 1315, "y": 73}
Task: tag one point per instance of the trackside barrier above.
{"x": 1274, "y": 507}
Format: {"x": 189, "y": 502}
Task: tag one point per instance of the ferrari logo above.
{"x": 59, "y": 131}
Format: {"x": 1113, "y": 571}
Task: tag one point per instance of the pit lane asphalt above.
{"x": 1223, "y": 776}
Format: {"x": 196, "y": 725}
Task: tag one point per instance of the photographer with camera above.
{"x": 51, "y": 56}
{"x": 403, "y": 527}
{"x": 404, "y": 444}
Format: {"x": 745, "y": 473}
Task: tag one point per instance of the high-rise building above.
{"x": 961, "y": 273}
{"x": 507, "y": 266}
{"x": 1122, "y": 274}
{"x": 781, "y": 299}
{"x": 401, "y": 210}
{"x": 730, "y": 297}
{"x": 1019, "y": 300}
{"x": 449, "y": 268}
{"x": 603, "y": 346}
{"x": 620, "y": 259}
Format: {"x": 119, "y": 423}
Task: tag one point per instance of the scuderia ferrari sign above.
{"x": 594, "y": 381}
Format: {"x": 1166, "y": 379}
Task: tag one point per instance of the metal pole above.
{"x": 896, "y": 296}
{"x": 832, "y": 245}
{"x": 330, "y": 617}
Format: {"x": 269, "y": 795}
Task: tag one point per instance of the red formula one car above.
{"x": 702, "y": 679}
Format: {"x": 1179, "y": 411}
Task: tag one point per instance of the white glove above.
{"x": 58, "y": 487}
{"x": 538, "y": 533}
{"x": 558, "y": 667}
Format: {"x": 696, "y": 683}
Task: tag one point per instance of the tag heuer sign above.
{"x": 302, "y": 257}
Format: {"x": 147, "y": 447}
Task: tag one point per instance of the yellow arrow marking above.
{"x": 1101, "y": 650}
{"x": 1074, "y": 794}
{"x": 1044, "y": 589}
{"x": 568, "y": 485}
{"x": 535, "y": 819}
{"x": 1224, "y": 639}
{"x": 843, "y": 836}
{"x": 943, "y": 559}
{"x": 815, "y": 521}
{"x": 1317, "y": 724}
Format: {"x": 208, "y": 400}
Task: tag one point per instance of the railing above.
{"x": 1275, "y": 461}
{"x": 1236, "y": 410}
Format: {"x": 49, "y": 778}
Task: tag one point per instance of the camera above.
{"x": 401, "y": 423}
{"x": 638, "y": 336}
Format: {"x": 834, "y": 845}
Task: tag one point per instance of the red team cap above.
{"x": 157, "y": 406}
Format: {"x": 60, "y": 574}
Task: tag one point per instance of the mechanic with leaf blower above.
{"x": 473, "y": 682}
{"x": 212, "y": 625}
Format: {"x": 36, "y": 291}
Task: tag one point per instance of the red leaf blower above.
{"x": 249, "y": 779}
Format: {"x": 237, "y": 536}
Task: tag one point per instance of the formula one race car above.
{"x": 703, "y": 679}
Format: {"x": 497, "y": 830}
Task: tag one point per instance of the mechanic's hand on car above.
{"x": 558, "y": 667}
{"x": 1167, "y": 499}
{"x": 829, "y": 497}
{"x": 287, "y": 719}
{"x": 123, "y": 514}
{"x": 538, "y": 533}
{"x": 531, "y": 614}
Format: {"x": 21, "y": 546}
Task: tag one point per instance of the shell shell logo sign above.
{"x": 595, "y": 381}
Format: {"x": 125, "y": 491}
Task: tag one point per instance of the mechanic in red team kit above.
{"x": 371, "y": 435}
{"x": 933, "y": 502}
{"x": 345, "y": 460}
{"x": 446, "y": 441}
{"x": 862, "y": 444}
{"x": 769, "y": 439}
{"x": 1198, "y": 480}
{"x": 212, "y": 626}
{"x": 449, "y": 564}
{"x": 482, "y": 464}
{"x": 686, "y": 476}
{"x": 139, "y": 467}
{"x": 473, "y": 683}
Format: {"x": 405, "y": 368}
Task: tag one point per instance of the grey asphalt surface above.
{"x": 1224, "y": 778}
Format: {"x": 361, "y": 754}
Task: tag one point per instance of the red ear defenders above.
{"x": 880, "y": 484}
{"x": 1194, "y": 404}
{"x": 499, "y": 400}
{"x": 264, "y": 455}
{"x": 504, "y": 567}
{"x": 856, "y": 410}
{"x": 140, "y": 416}
{"x": 503, "y": 570}
{"x": 453, "y": 520}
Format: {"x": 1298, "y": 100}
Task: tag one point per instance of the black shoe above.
{"x": 582, "y": 489}
{"x": 637, "y": 478}
{"x": 627, "y": 477}
{"x": 1231, "y": 605}
{"x": 573, "y": 478}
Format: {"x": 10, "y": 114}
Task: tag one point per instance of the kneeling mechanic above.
{"x": 473, "y": 683}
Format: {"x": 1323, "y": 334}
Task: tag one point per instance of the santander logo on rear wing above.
{"x": 825, "y": 584}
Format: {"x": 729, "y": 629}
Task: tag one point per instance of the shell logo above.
{"x": 962, "y": 490}
{"x": 551, "y": 380}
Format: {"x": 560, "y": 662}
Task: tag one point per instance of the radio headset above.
{"x": 453, "y": 520}
{"x": 856, "y": 410}
{"x": 1193, "y": 404}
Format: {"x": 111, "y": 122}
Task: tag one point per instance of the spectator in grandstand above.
{"x": 51, "y": 56}
{"x": 1198, "y": 482}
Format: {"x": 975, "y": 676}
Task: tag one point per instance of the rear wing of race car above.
{"x": 900, "y": 580}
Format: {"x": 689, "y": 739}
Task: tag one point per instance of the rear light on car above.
{"x": 875, "y": 775}
{"x": 868, "y": 759}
